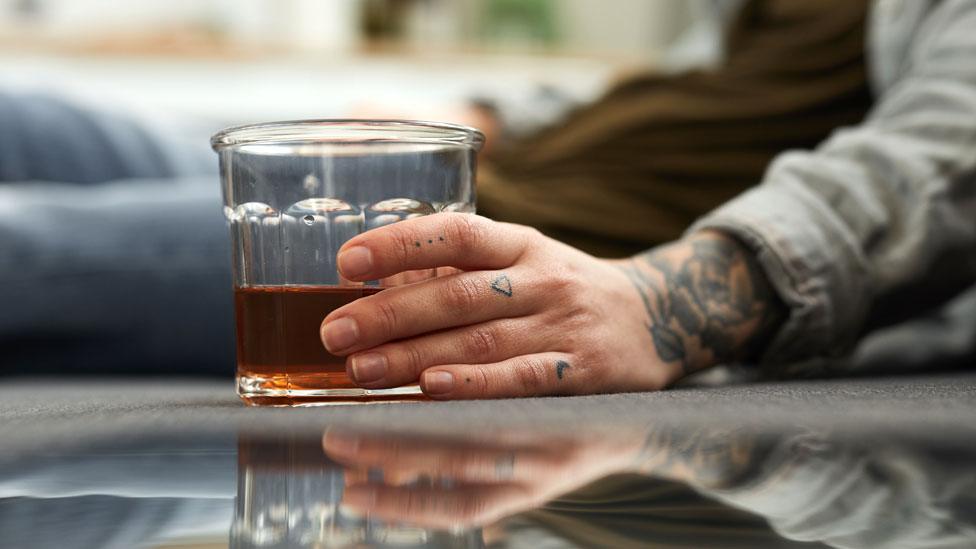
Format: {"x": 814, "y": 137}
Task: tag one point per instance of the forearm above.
{"x": 707, "y": 301}
{"x": 875, "y": 223}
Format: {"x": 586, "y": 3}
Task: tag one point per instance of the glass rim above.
{"x": 348, "y": 131}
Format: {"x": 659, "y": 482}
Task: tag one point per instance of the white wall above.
{"x": 629, "y": 27}
{"x": 310, "y": 25}
{"x": 622, "y": 26}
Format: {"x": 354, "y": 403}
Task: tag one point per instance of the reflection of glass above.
{"x": 516, "y": 487}
{"x": 293, "y": 194}
{"x": 289, "y": 496}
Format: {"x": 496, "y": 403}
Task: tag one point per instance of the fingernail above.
{"x": 355, "y": 262}
{"x": 368, "y": 368}
{"x": 359, "y": 496}
{"x": 341, "y": 443}
{"x": 340, "y": 334}
{"x": 437, "y": 383}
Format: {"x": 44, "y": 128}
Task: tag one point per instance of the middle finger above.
{"x": 401, "y": 362}
{"x": 445, "y": 302}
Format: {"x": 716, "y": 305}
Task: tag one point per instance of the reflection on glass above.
{"x": 687, "y": 485}
{"x": 290, "y": 495}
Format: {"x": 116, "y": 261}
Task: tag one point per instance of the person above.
{"x": 113, "y": 251}
{"x": 873, "y": 226}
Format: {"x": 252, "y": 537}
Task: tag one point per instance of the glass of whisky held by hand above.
{"x": 294, "y": 192}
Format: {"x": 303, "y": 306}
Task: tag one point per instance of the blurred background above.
{"x": 234, "y": 61}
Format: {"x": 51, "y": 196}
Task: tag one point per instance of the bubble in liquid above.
{"x": 309, "y": 220}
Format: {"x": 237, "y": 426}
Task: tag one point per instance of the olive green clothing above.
{"x": 637, "y": 167}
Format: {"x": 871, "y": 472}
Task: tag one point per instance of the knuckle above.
{"x": 531, "y": 375}
{"x": 461, "y": 293}
{"x": 565, "y": 283}
{"x": 483, "y": 384}
{"x": 480, "y": 341}
{"x": 523, "y": 230}
{"x": 468, "y": 230}
{"x": 577, "y": 320}
{"x": 414, "y": 358}
{"x": 403, "y": 244}
{"x": 530, "y": 236}
{"x": 388, "y": 317}
{"x": 530, "y": 233}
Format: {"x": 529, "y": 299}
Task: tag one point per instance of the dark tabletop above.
{"x": 182, "y": 463}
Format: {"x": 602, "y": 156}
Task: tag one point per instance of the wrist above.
{"x": 706, "y": 299}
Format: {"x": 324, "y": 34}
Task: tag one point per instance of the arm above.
{"x": 816, "y": 485}
{"x": 877, "y": 209}
{"x": 527, "y": 315}
{"x": 707, "y": 301}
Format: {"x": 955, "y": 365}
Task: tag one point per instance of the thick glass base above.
{"x": 316, "y": 390}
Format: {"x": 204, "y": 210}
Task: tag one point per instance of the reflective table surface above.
{"x": 160, "y": 463}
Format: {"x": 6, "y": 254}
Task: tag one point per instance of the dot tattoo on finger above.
{"x": 502, "y": 285}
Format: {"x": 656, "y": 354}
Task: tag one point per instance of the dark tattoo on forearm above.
{"x": 560, "y": 366}
{"x": 710, "y": 457}
{"x": 502, "y": 285}
{"x": 715, "y": 305}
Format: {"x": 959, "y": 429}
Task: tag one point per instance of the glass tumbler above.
{"x": 294, "y": 192}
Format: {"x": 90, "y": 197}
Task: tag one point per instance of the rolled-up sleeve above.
{"x": 876, "y": 206}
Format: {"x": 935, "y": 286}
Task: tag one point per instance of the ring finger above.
{"x": 401, "y": 362}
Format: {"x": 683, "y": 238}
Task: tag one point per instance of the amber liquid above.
{"x": 278, "y": 343}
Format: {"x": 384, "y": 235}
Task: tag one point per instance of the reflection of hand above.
{"x": 472, "y": 483}
{"x": 529, "y": 316}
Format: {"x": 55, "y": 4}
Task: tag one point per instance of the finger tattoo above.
{"x": 560, "y": 366}
{"x": 502, "y": 285}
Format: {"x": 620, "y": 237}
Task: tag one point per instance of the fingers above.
{"x": 465, "y": 461}
{"x": 522, "y": 376}
{"x": 436, "y": 506}
{"x": 436, "y": 304}
{"x": 459, "y": 240}
{"x": 401, "y": 362}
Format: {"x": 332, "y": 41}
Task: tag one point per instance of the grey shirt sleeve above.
{"x": 860, "y": 493}
{"x": 876, "y": 207}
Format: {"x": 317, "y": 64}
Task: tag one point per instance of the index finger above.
{"x": 461, "y": 240}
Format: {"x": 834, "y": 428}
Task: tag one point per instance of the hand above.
{"x": 528, "y": 315}
{"x": 445, "y": 482}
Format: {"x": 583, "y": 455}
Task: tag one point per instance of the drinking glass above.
{"x": 294, "y": 192}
